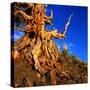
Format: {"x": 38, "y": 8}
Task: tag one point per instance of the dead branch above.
{"x": 67, "y": 24}
{"x": 25, "y": 16}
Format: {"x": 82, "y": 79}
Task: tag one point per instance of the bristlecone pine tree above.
{"x": 36, "y": 59}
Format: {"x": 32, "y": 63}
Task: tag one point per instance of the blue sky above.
{"x": 77, "y": 31}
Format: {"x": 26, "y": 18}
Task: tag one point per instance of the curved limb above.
{"x": 49, "y": 17}
{"x": 25, "y": 16}
{"x": 62, "y": 35}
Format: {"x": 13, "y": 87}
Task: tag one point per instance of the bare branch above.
{"x": 67, "y": 24}
{"x": 55, "y": 34}
{"x": 25, "y": 16}
{"x": 49, "y": 17}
